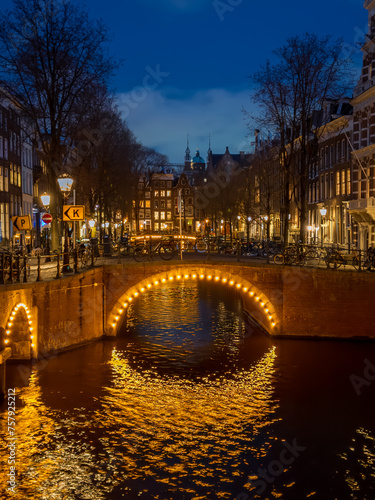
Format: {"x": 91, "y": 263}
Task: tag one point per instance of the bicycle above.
{"x": 336, "y": 259}
{"x": 145, "y": 251}
{"x": 87, "y": 256}
{"x": 291, "y": 255}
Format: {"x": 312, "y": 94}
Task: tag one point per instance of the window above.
{"x": 169, "y": 184}
{"x": 6, "y": 179}
{"x": 141, "y": 203}
{"x": 343, "y": 181}
{"x": 169, "y": 204}
{"x": 156, "y": 215}
{"x": 156, "y": 184}
{"x": 141, "y": 214}
{"x": 148, "y": 204}
{"x": 162, "y": 204}
{"x": 337, "y": 183}
{"x": 169, "y": 194}
{"x": 169, "y": 215}
{"x": 348, "y": 185}
{"x": 162, "y": 215}
{"x": 162, "y": 184}
{"x": 140, "y": 185}
{"x": 1, "y": 179}
{"x": 156, "y": 193}
{"x": 148, "y": 194}
{"x": 162, "y": 193}
{"x": 148, "y": 214}
{"x": 156, "y": 226}
{"x": 156, "y": 204}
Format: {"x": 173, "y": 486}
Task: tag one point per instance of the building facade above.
{"x": 10, "y": 171}
{"x": 362, "y": 207}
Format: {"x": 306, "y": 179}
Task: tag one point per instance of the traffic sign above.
{"x": 73, "y": 212}
{"x": 47, "y": 218}
{"x": 21, "y": 222}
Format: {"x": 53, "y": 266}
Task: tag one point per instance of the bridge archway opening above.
{"x": 20, "y": 333}
{"x": 255, "y": 303}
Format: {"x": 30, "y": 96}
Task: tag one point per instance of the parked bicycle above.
{"x": 166, "y": 250}
{"x": 291, "y": 255}
{"x": 335, "y": 259}
{"x": 87, "y": 255}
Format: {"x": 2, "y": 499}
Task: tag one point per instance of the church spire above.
{"x": 187, "y": 151}
{"x": 209, "y": 151}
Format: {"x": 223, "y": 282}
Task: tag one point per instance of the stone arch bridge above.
{"x": 39, "y": 319}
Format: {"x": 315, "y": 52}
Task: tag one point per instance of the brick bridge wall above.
{"x": 284, "y": 301}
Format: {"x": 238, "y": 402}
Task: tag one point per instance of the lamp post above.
{"x": 65, "y": 184}
{"x": 46, "y": 200}
{"x": 323, "y": 213}
{"x": 248, "y": 231}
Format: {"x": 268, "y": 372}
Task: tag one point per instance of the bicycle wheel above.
{"x": 278, "y": 258}
{"x": 312, "y": 257}
{"x": 290, "y": 255}
{"x": 167, "y": 251}
{"x": 201, "y": 246}
{"x": 333, "y": 260}
{"x": 84, "y": 258}
{"x": 140, "y": 253}
{"x": 184, "y": 245}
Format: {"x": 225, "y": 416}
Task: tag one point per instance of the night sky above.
{"x": 203, "y": 52}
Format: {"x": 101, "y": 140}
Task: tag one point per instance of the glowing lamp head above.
{"x": 65, "y": 183}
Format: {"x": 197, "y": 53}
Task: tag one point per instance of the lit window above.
{"x": 162, "y": 215}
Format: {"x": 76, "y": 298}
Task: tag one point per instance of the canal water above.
{"x": 192, "y": 402}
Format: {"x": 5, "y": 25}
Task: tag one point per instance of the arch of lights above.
{"x": 261, "y": 301}
{"x": 10, "y": 325}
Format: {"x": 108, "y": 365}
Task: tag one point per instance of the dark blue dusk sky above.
{"x": 203, "y": 52}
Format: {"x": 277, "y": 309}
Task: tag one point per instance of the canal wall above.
{"x": 47, "y": 317}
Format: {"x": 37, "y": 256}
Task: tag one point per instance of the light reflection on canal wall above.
{"x": 190, "y": 402}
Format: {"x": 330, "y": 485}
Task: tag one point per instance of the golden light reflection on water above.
{"x": 52, "y": 462}
{"x": 197, "y": 430}
{"x": 362, "y": 453}
{"x": 153, "y": 432}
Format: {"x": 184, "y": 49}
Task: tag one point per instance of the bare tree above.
{"x": 310, "y": 70}
{"x": 52, "y": 60}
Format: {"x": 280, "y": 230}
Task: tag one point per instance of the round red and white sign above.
{"x": 47, "y": 218}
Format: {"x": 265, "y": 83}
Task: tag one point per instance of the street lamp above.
{"x": 65, "y": 184}
{"x": 323, "y": 213}
{"x": 46, "y": 200}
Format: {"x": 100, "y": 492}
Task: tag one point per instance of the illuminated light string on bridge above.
{"x": 10, "y": 323}
{"x": 143, "y": 287}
